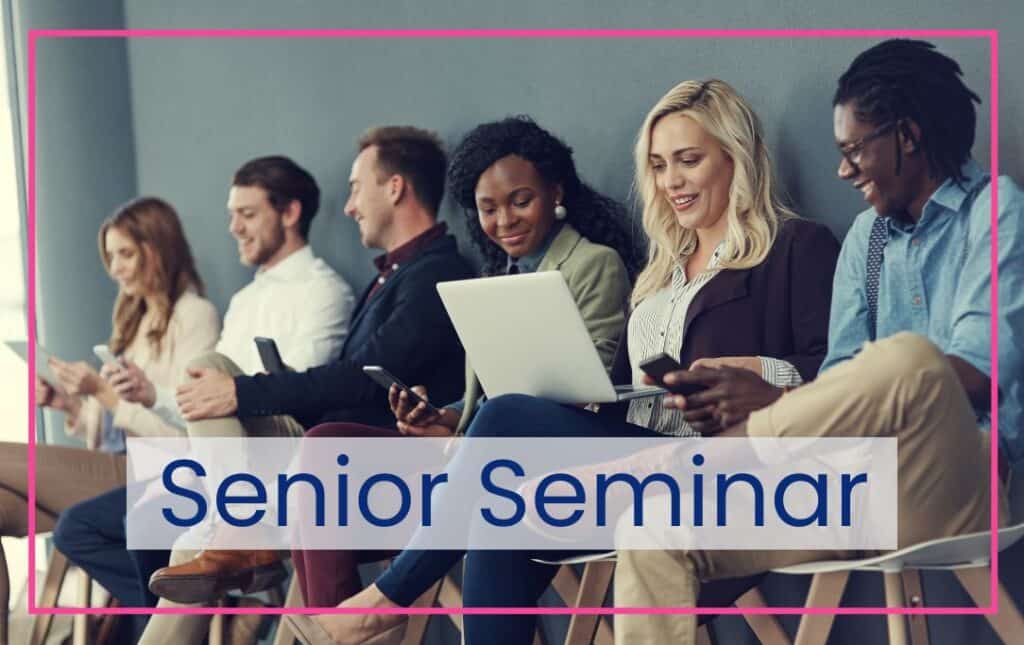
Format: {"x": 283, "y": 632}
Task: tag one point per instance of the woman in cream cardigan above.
{"x": 160, "y": 322}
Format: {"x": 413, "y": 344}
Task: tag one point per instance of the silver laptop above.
{"x": 524, "y": 335}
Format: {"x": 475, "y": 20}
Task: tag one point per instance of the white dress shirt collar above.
{"x": 293, "y": 266}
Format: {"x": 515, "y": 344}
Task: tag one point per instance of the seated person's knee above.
{"x": 495, "y": 414}
{"x": 69, "y": 531}
{"x": 214, "y": 360}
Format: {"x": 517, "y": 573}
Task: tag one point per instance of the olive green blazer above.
{"x": 600, "y": 286}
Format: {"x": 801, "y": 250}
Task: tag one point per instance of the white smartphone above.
{"x": 104, "y": 354}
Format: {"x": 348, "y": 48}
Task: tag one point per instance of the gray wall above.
{"x": 85, "y": 168}
{"x": 200, "y": 107}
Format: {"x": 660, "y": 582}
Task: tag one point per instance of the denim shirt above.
{"x": 936, "y": 281}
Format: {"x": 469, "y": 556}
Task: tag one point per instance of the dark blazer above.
{"x": 404, "y": 328}
{"x": 778, "y": 309}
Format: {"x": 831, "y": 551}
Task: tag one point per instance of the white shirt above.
{"x": 656, "y": 326}
{"x": 300, "y": 302}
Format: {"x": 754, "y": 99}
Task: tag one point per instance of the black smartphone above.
{"x": 658, "y": 366}
{"x": 386, "y": 379}
{"x": 269, "y": 355}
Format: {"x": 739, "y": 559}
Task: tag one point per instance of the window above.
{"x": 14, "y": 393}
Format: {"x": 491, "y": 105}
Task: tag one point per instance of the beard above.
{"x": 266, "y": 248}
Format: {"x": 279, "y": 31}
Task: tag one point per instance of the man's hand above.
{"x": 976, "y": 384}
{"x": 210, "y": 394}
{"x": 130, "y": 382}
{"x": 751, "y": 363}
{"x": 732, "y": 394}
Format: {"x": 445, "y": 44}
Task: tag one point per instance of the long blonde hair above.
{"x": 754, "y": 211}
{"x": 166, "y": 266}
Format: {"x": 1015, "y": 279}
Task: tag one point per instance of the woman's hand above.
{"x": 417, "y": 419}
{"x": 48, "y": 397}
{"x": 78, "y": 378}
{"x": 130, "y": 382}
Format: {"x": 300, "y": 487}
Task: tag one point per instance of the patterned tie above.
{"x": 513, "y": 269}
{"x": 876, "y": 253}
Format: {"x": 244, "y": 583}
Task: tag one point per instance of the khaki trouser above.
{"x": 902, "y": 386}
{"x": 182, "y": 629}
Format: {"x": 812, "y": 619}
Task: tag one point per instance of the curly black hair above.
{"x": 908, "y": 79}
{"x": 598, "y": 218}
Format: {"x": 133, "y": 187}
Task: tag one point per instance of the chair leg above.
{"x": 5, "y": 597}
{"x": 826, "y": 591}
{"x": 284, "y": 635}
{"x": 914, "y": 593}
{"x": 566, "y": 584}
{"x": 451, "y": 596}
{"x": 765, "y": 627}
{"x": 56, "y": 569}
{"x": 1008, "y": 623}
{"x": 416, "y": 628}
{"x": 107, "y": 624}
{"x": 591, "y": 591}
{"x": 216, "y": 631}
{"x": 80, "y": 623}
{"x": 894, "y": 598}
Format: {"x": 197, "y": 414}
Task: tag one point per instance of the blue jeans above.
{"x": 92, "y": 535}
{"x": 510, "y": 578}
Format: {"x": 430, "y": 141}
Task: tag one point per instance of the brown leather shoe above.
{"x": 211, "y": 574}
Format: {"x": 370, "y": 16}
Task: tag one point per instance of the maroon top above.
{"x": 390, "y": 262}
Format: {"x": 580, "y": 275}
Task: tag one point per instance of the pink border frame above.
{"x": 991, "y": 34}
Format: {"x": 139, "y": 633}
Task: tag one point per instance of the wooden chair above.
{"x": 966, "y": 556}
{"x": 590, "y": 590}
{"x": 56, "y": 573}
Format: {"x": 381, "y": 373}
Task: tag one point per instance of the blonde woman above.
{"x": 160, "y": 321}
{"x": 733, "y": 279}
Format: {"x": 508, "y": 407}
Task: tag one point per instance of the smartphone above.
{"x": 104, "y": 354}
{"x": 658, "y": 366}
{"x": 269, "y": 355}
{"x": 386, "y": 379}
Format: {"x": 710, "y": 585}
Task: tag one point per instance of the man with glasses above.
{"x": 909, "y": 331}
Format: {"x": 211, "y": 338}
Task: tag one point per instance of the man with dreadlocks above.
{"x": 909, "y": 332}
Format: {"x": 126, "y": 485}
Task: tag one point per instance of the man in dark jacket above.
{"x": 396, "y": 185}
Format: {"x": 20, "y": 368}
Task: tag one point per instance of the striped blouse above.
{"x": 656, "y": 326}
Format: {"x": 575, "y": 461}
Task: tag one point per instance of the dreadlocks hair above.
{"x": 908, "y": 79}
{"x": 598, "y": 218}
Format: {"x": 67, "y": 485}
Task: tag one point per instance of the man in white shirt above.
{"x": 294, "y": 298}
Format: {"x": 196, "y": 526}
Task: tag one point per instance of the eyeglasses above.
{"x": 851, "y": 152}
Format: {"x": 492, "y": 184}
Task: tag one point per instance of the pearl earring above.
{"x": 560, "y": 212}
